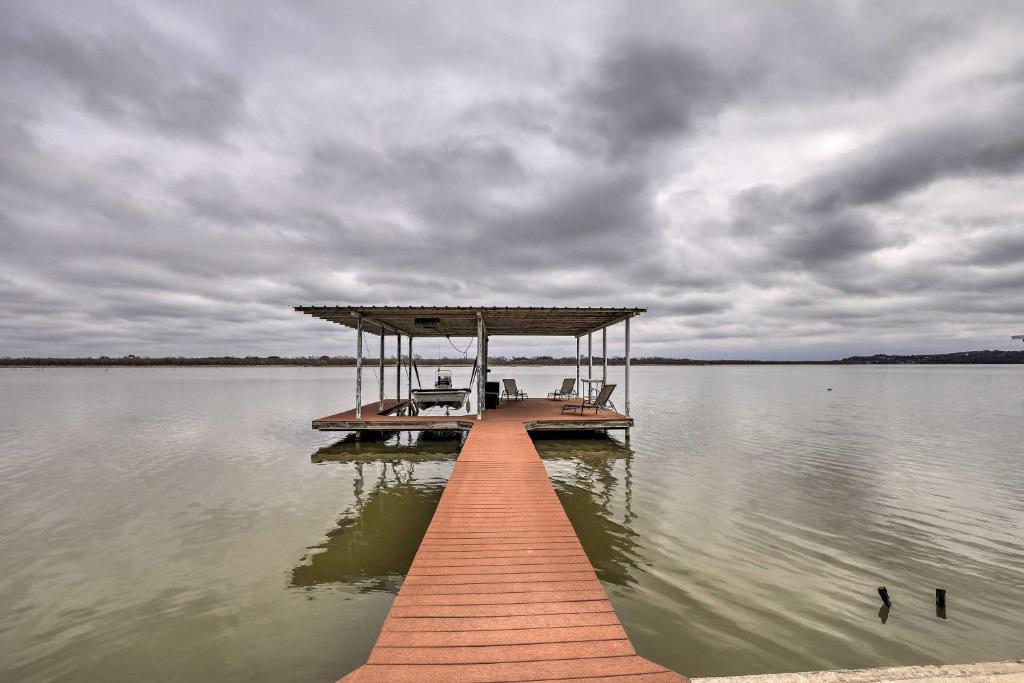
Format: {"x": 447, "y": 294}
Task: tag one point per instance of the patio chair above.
{"x": 567, "y": 389}
{"x": 512, "y": 392}
{"x": 602, "y": 402}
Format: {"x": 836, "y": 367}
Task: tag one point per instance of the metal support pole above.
{"x": 627, "y": 366}
{"x": 590, "y": 358}
{"x": 487, "y": 359}
{"x": 359, "y": 368}
{"x": 480, "y": 366}
{"x": 604, "y": 355}
{"x": 578, "y": 387}
{"x": 380, "y": 366}
{"x": 409, "y": 369}
{"x": 398, "y": 368}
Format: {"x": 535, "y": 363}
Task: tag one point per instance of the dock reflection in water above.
{"x": 592, "y": 475}
{"x": 397, "y": 482}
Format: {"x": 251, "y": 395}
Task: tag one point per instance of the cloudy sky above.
{"x": 771, "y": 180}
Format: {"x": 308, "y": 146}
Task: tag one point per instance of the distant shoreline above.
{"x": 960, "y": 358}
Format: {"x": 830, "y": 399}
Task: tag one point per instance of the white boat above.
{"x": 443, "y": 395}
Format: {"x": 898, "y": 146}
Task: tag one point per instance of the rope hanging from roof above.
{"x": 367, "y": 349}
{"x": 464, "y": 352}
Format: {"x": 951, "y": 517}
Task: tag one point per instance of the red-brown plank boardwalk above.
{"x": 500, "y": 588}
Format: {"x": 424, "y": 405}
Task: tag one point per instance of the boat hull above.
{"x": 441, "y": 398}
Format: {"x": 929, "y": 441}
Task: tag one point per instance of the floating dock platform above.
{"x": 536, "y": 414}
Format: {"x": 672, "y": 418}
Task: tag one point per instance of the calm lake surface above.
{"x": 186, "y": 524}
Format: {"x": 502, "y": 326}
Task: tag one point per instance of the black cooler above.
{"x": 492, "y": 392}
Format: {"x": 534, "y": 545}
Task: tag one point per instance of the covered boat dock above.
{"x": 481, "y": 323}
{"x": 500, "y": 588}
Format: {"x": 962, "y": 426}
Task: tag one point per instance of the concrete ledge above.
{"x": 999, "y": 672}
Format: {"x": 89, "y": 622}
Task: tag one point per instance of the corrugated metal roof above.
{"x": 460, "y": 321}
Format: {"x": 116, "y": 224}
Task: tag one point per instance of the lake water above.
{"x": 186, "y": 524}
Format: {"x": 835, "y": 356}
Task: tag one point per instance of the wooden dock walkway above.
{"x": 500, "y": 588}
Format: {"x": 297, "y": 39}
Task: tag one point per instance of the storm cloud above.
{"x": 776, "y": 180}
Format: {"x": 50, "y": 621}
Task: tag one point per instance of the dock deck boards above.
{"x": 534, "y": 413}
{"x": 500, "y": 588}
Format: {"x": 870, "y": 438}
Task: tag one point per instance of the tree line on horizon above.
{"x": 131, "y": 360}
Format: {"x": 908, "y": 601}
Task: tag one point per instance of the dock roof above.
{"x": 460, "y": 321}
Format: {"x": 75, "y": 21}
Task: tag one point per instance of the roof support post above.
{"x": 408, "y": 369}
{"x": 604, "y": 355}
{"x": 590, "y": 357}
{"x": 480, "y": 366}
{"x": 380, "y": 366}
{"x": 627, "y": 367}
{"x": 359, "y": 368}
{"x": 578, "y": 388}
{"x": 487, "y": 359}
{"x": 398, "y": 368}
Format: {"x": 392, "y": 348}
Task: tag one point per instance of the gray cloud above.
{"x": 644, "y": 95}
{"x": 906, "y": 160}
{"x": 1005, "y": 247}
{"x": 777, "y": 223}
{"x": 777, "y": 180}
{"x": 127, "y": 73}
{"x": 451, "y": 162}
